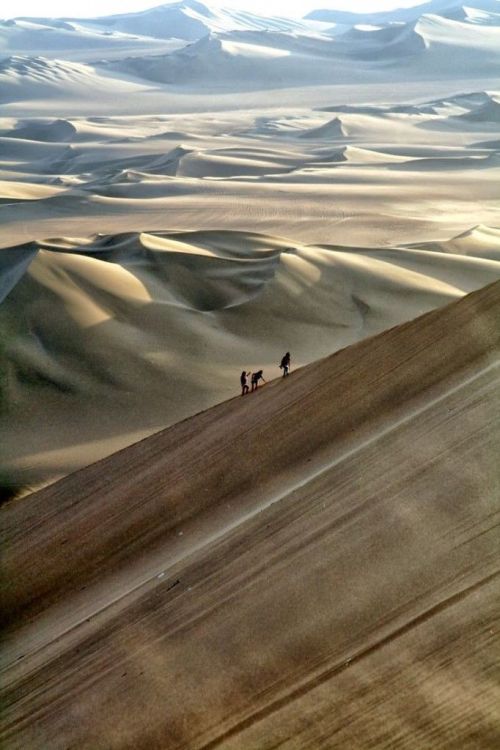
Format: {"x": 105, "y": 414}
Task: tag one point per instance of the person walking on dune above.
{"x": 244, "y": 383}
{"x": 256, "y": 377}
{"x": 285, "y": 364}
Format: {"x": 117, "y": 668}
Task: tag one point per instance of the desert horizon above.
{"x": 188, "y": 191}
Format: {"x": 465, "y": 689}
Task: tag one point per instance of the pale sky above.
{"x": 55, "y": 8}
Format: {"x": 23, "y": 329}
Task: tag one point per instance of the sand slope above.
{"x": 112, "y": 337}
{"x": 314, "y": 565}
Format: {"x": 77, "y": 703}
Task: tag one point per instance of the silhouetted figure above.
{"x": 256, "y": 377}
{"x": 244, "y": 383}
{"x": 285, "y": 364}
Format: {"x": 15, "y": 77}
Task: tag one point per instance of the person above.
{"x": 256, "y": 377}
{"x": 285, "y": 364}
{"x": 244, "y": 383}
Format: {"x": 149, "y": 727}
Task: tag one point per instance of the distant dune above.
{"x": 37, "y": 78}
{"x": 470, "y": 11}
{"x": 313, "y": 564}
{"x": 187, "y": 20}
{"x": 191, "y": 20}
{"x": 235, "y": 52}
{"x": 264, "y": 59}
{"x": 74, "y": 41}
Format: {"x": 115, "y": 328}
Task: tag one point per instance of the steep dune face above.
{"x": 313, "y": 564}
{"x": 488, "y": 112}
{"x": 382, "y": 44}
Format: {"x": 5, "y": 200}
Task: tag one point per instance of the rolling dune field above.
{"x": 185, "y": 248}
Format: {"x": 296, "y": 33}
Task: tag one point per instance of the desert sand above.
{"x": 187, "y": 192}
{"x": 315, "y": 565}
{"x": 156, "y": 238}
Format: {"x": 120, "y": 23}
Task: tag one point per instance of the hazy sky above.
{"x": 47, "y": 8}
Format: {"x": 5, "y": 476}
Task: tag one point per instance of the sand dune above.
{"x": 55, "y": 38}
{"x": 194, "y": 245}
{"x": 146, "y": 329}
{"x": 475, "y": 15}
{"x": 332, "y": 129}
{"x": 260, "y": 60}
{"x": 191, "y": 20}
{"x": 11, "y": 192}
{"x": 444, "y": 8}
{"x": 36, "y": 78}
{"x": 267, "y": 186}
{"x": 487, "y": 112}
{"x": 381, "y": 44}
{"x": 13, "y": 265}
{"x": 226, "y": 168}
{"x": 193, "y": 190}
{"x": 266, "y": 573}
{"x": 466, "y": 112}
{"x": 235, "y": 59}
{"x": 481, "y": 241}
{"x": 58, "y": 131}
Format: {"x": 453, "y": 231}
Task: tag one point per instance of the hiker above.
{"x": 285, "y": 364}
{"x": 256, "y": 376}
{"x": 244, "y": 383}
